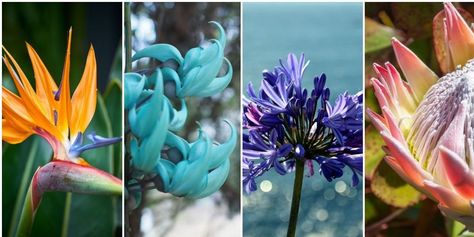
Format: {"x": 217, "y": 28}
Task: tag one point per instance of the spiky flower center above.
{"x": 436, "y": 113}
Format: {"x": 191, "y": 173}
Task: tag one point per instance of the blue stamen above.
{"x": 57, "y": 94}
{"x": 97, "y": 141}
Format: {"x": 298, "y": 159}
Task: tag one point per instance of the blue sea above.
{"x": 330, "y": 35}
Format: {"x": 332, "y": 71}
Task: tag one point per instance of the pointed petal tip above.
{"x": 419, "y": 76}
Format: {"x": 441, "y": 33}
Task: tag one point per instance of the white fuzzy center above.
{"x": 436, "y": 112}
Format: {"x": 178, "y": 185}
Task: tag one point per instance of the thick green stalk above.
{"x": 67, "y": 211}
{"x": 295, "y": 200}
{"x": 22, "y": 191}
{"x": 27, "y": 215}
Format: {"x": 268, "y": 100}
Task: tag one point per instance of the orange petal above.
{"x": 14, "y": 110}
{"x": 419, "y": 76}
{"x": 12, "y": 134}
{"x": 459, "y": 36}
{"x": 64, "y": 110}
{"x": 29, "y": 97}
{"x": 85, "y": 97}
{"x": 45, "y": 84}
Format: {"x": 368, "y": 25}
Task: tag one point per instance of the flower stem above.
{"x": 27, "y": 216}
{"x": 295, "y": 200}
{"x": 67, "y": 211}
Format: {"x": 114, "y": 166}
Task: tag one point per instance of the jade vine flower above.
{"x": 284, "y": 123}
{"x": 159, "y": 158}
{"x": 427, "y": 123}
{"x": 61, "y": 120}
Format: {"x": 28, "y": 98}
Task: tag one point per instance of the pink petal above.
{"x": 392, "y": 123}
{"x": 457, "y": 172}
{"x": 447, "y": 197}
{"x": 377, "y": 120}
{"x": 459, "y": 36}
{"x": 406, "y": 97}
{"x": 384, "y": 75}
{"x": 382, "y": 94}
{"x": 405, "y": 159}
{"x": 419, "y": 76}
{"x": 399, "y": 170}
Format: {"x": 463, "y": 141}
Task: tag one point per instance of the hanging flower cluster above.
{"x": 427, "y": 123}
{"x": 284, "y": 123}
{"x": 160, "y": 159}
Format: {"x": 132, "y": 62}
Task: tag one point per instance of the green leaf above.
{"x": 393, "y": 190}
{"x": 19, "y": 163}
{"x": 373, "y": 150}
{"x": 371, "y": 101}
{"x": 113, "y": 103}
{"x": 457, "y": 229}
{"x": 375, "y": 209}
{"x": 378, "y": 36}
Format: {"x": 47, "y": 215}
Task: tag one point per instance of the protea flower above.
{"x": 161, "y": 159}
{"x": 427, "y": 123}
{"x": 61, "y": 120}
{"x": 288, "y": 128}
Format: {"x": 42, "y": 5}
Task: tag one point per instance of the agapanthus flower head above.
{"x": 50, "y": 111}
{"x": 160, "y": 158}
{"x": 284, "y": 122}
{"x": 427, "y": 123}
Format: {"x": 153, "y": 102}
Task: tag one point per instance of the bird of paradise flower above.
{"x": 51, "y": 112}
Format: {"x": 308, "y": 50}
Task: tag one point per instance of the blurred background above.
{"x": 185, "y": 25}
{"x": 330, "y": 35}
{"x": 45, "y": 26}
{"x": 392, "y": 207}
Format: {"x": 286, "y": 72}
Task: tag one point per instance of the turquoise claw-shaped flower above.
{"x": 159, "y": 157}
{"x": 134, "y": 84}
{"x": 148, "y": 123}
{"x": 195, "y": 169}
{"x": 197, "y": 72}
{"x": 201, "y": 66}
{"x": 160, "y": 52}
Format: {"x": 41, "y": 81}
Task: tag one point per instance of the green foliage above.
{"x": 373, "y": 150}
{"x": 378, "y": 36}
{"x": 388, "y": 186}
